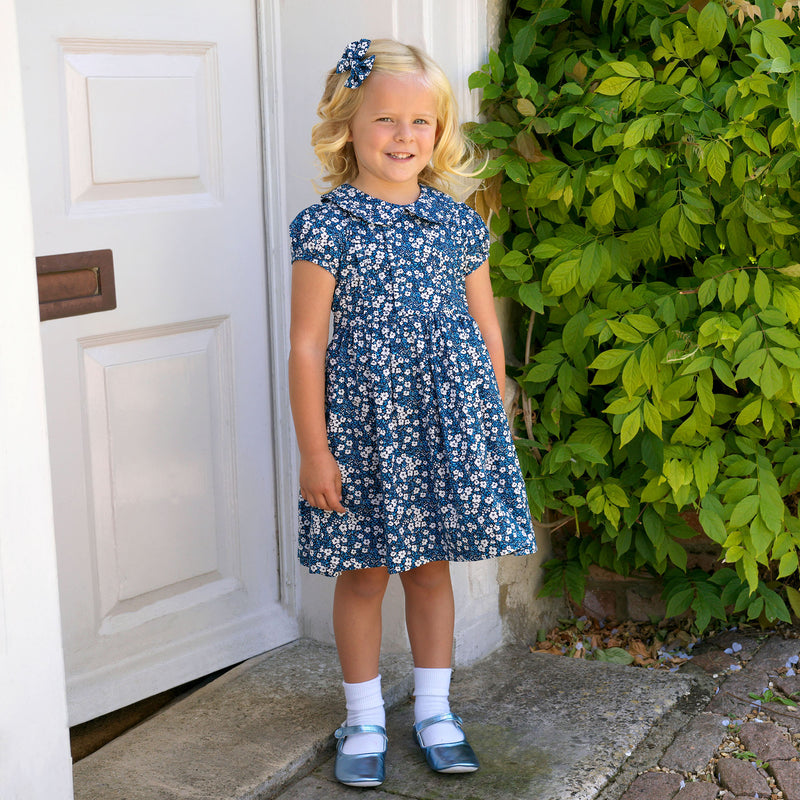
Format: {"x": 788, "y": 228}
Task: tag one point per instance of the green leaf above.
{"x": 716, "y": 160}
{"x": 723, "y": 372}
{"x": 762, "y": 289}
{"x": 531, "y": 295}
{"x": 642, "y": 323}
{"x": 771, "y": 378}
{"x": 788, "y": 564}
{"x": 652, "y": 452}
{"x": 603, "y": 208}
{"x": 794, "y": 599}
{"x": 614, "y": 655}
{"x": 478, "y": 80}
{"x": 742, "y": 288}
{"x": 613, "y": 86}
{"x": 574, "y": 335}
{"x": 609, "y": 359}
{"x": 624, "y": 332}
{"x": 564, "y": 276}
{"x": 775, "y": 27}
{"x": 679, "y": 602}
{"x": 749, "y": 413}
{"x": 616, "y": 495}
{"x": 625, "y": 68}
{"x": 793, "y": 99}
{"x": 711, "y": 25}
{"x": 744, "y": 511}
{"x": 630, "y": 427}
{"x": 593, "y": 259}
{"x": 750, "y": 568}
{"x": 713, "y": 526}
{"x": 652, "y": 419}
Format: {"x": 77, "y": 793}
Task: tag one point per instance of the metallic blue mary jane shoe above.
{"x": 449, "y": 757}
{"x": 360, "y": 769}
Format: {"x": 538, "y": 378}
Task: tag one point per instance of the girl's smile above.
{"x": 393, "y": 135}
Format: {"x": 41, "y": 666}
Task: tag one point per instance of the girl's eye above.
{"x": 421, "y": 122}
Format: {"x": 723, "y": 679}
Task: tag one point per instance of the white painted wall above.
{"x": 34, "y": 745}
{"x": 454, "y": 33}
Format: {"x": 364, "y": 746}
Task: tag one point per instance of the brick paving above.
{"x": 698, "y": 790}
{"x": 742, "y": 777}
{"x": 654, "y": 786}
{"x": 767, "y": 741}
{"x": 694, "y": 746}
{"x": 744, "y": 744}
{"x": 787, "y": 776}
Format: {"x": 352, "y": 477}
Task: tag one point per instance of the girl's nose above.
{"x": 403, "y": 133}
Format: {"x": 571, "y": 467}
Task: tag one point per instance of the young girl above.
{"x": 406, "y": 460}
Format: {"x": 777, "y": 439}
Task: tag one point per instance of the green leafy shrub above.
{"x": 645, "y": 202}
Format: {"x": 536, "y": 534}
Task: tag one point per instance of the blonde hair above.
{"x": 452, "y": 157}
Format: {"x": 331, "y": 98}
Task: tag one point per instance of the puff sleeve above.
{"x": 475, "y": 239}
{"x": 315, "y": 237}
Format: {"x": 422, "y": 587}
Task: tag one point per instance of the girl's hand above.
{"x": 321, "y": 482}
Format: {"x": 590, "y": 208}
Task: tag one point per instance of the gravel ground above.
{"x": 743, "y": 743}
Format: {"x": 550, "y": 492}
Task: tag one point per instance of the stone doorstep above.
{"x": 547, "y": 728}
{"x": 228, "y": 739}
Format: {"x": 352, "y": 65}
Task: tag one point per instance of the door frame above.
{"x": 35, "y": 762}
{"x": 278, "y": 282}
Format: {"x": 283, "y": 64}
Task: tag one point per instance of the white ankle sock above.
{"x": 364, "y": 707}
{"x": 431, "y": 698}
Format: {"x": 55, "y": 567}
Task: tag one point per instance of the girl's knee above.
{"x": 434, "y": 575}
{"x": 365, "y": 583}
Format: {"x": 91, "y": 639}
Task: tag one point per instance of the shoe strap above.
{"x": 448, "y": 717}
{"x": 349, "y": 730}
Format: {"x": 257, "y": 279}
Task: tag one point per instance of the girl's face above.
{"x": 393, "y": 135}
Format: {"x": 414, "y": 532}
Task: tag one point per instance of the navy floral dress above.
{"x": 414, "y": 416}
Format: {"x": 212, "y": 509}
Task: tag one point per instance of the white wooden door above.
{"x": 144, "y": 137}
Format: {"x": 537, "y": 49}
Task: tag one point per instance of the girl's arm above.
{"x": 480, "y": 302}
{"x": 312, "y": 294}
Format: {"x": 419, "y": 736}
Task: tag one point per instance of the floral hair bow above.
{"x": 353, "y": 59}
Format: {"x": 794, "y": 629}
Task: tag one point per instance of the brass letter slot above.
{"x": 75, "y": 283}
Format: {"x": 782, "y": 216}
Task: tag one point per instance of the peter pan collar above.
{"x": 431, "y": 205}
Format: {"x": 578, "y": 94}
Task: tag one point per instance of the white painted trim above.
{"x": 35, "y": 761}
{"x": 278, "y": 268}
{"x": 127, "y": 680}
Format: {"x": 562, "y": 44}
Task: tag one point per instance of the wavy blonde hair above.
{"x": 452, "y": 162}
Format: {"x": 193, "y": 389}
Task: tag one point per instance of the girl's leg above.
{"x": 430, "y": 616}
{"x": 357, "y": 604}
{"x": 357, "y": 626}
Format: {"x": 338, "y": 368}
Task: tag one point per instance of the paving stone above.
{"x": 653, "y": 786}
{"x": 787, "y": 776}
{"x": 732, "y": 698}
{"x": 694, "y": 746}
{"x": 780, "y": 714}
{"x": 742, "y": 777}
{"x": 750, "y": 644}
{"x": 714, "y": 661}
{"x": 698, "y": 790}
{"x": 767, "y": 741}
{"x": 788, "y": 684}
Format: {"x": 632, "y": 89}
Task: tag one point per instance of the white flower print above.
{"x": 415, "y": 420}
